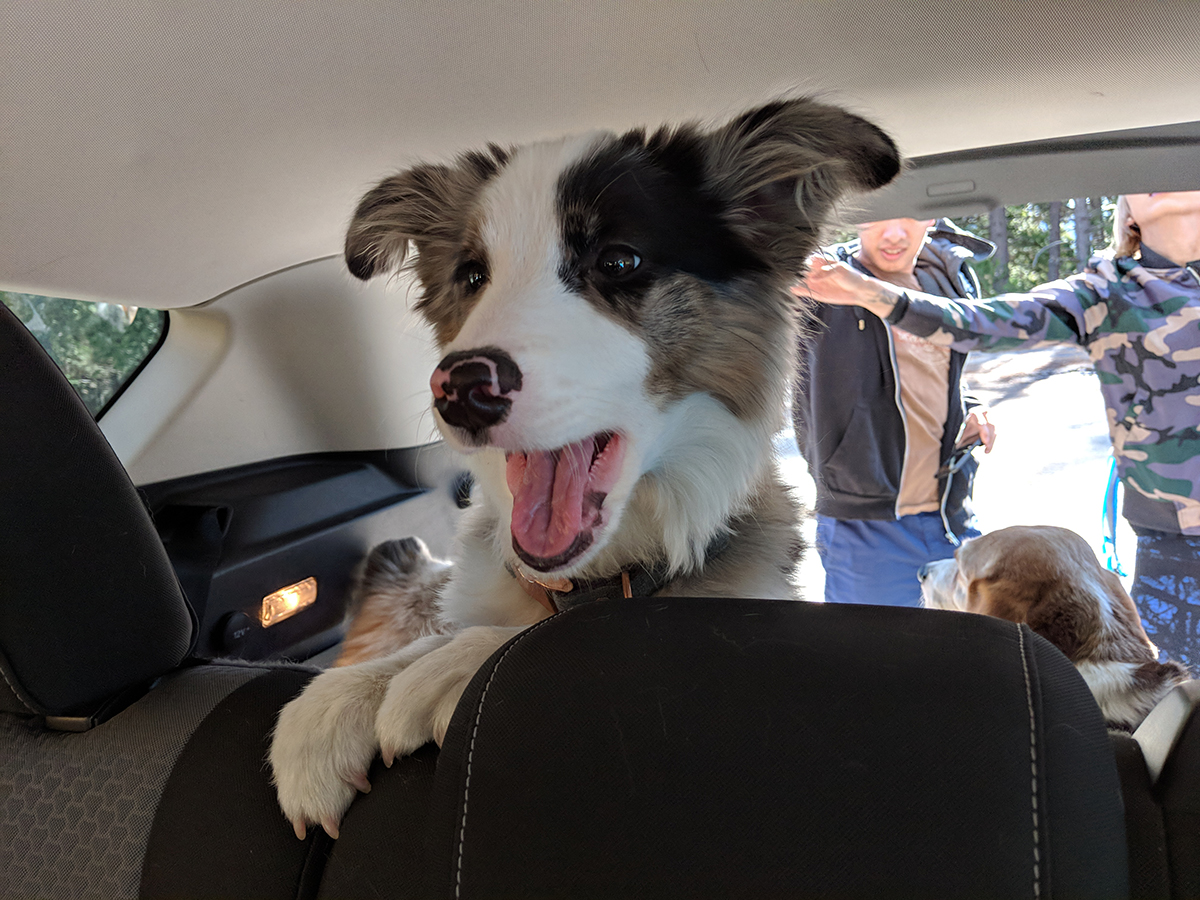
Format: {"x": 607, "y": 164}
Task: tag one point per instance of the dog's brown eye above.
{"x": 617, "y": 261}
{"x": 472, "y": 276}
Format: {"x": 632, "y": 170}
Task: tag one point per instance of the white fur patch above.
{"x": 1112, "y": 684}
{"x": 940, "y": 587}
{"x": 325, "y": 738}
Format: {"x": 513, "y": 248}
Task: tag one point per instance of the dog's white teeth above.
{"x": 600, "y": 445}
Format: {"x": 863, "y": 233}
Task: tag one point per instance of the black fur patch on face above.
{"x": 634, "y": 215}
{"x": 647, "y": 242}
{"x": 692, "y": 237}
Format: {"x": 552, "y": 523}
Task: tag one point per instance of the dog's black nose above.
{"x": 471, "y": 388}
{"x": 923, "y": 572}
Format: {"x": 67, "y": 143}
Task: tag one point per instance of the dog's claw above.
{"x": 330, "y": 826}
{"x": 360, "y": 782}
{"x": 388, "y": 756}
{"x": 298, "y": 827}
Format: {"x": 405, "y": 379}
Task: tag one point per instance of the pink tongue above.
{"x": 548, "y": 488}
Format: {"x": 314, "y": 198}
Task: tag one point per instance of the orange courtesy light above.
{"x": 288, "y": 601}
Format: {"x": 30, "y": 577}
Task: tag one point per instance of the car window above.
{"x": 1052, "y": 459}
{"x": 1035, "y": 242}
{"x": 1040, "y": 242}
{"x": 98, "y": 346}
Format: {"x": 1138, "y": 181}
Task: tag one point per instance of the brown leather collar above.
{"x": 637, "y": 580}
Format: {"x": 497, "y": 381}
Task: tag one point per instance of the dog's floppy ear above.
{"x": 779, "y": 169}
{"x": 1055, "y": 609}
{"x": 1067, "y": 616}
{"x": 425, "y": 205}
{"x": 1127, "y": 621}
{"x": 1000, "y": 598}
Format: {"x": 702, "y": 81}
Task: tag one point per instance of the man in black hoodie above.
{"x": 882, "y": 420}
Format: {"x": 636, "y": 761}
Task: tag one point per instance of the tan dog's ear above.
{"x": 997, "y": 597}
{"x": 1125, "y": 612}
{"x": 1054, "y": 609}
{"x": 1067, "y": 617}
{"x": 424, "y": 205}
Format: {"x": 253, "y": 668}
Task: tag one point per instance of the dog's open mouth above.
{"x": 558, "y": 498}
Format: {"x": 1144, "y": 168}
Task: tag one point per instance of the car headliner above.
{"x": 161, "y": 154}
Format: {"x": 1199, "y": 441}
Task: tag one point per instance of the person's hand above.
{"x": 832, "y": 281}
{"x": 978, "y": 428}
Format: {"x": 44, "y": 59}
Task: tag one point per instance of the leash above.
{"x": 1108, "y": 522}
{"x": 637, "y": 580}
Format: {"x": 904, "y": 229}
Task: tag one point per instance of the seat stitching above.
{"x": 15, "y": 692}
{"x": 462, "y": 830}
{"x": 1037, "y": 887}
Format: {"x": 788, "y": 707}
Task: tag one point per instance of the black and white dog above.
{"x": 618, "y": 338}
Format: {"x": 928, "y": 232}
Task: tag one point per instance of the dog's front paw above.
{"x": 421, "y": 699}
{"x": 392, "y": 565}
{"x": 323, "y": 745}
{"x": 325, "y": 739}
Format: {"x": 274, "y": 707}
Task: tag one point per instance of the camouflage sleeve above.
{"x": 1052, "y": 313}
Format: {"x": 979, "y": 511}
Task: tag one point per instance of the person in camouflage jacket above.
{"x": 1139, "y": 319}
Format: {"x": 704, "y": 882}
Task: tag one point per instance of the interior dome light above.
{"x": 288, "y": 601}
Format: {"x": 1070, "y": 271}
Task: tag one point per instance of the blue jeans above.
{"x": 876, "y": 560}
{"x": 1166, "y": 589}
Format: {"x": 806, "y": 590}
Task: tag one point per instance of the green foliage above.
{"x": 841, "y": 234}
{"x": 1029, "y": 243}
{"x": 96, "y": 345}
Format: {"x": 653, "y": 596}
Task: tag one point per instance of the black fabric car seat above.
{"x": 100, "y": 724}
{"x": 1159, "y": 766}
{"x": 740, "y": 748}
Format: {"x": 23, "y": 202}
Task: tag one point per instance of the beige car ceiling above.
{"x": 163, "y": 153}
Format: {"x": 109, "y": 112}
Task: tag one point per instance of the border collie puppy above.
{"x": 617, "y": 338}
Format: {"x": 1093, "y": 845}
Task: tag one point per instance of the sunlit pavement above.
{"x": 1050, "y": 463}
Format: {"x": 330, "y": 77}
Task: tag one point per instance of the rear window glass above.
{"x": 1041, "y": 242}
{"x": 1035, "y": 242}
{"x": 98, "y": 346}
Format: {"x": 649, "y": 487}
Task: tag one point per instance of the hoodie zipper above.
{"x": 860, "y": 315}
{"x": 899, "y": 408}
{"x": 950, "y": 535}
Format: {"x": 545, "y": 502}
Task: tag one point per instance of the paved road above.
{"x": 1051, "y": 459}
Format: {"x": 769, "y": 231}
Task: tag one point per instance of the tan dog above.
{"x": 1050, "y": 579}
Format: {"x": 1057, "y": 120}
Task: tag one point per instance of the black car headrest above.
{"x": 89, "y": 605}
{"x": 739, "y": 748}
